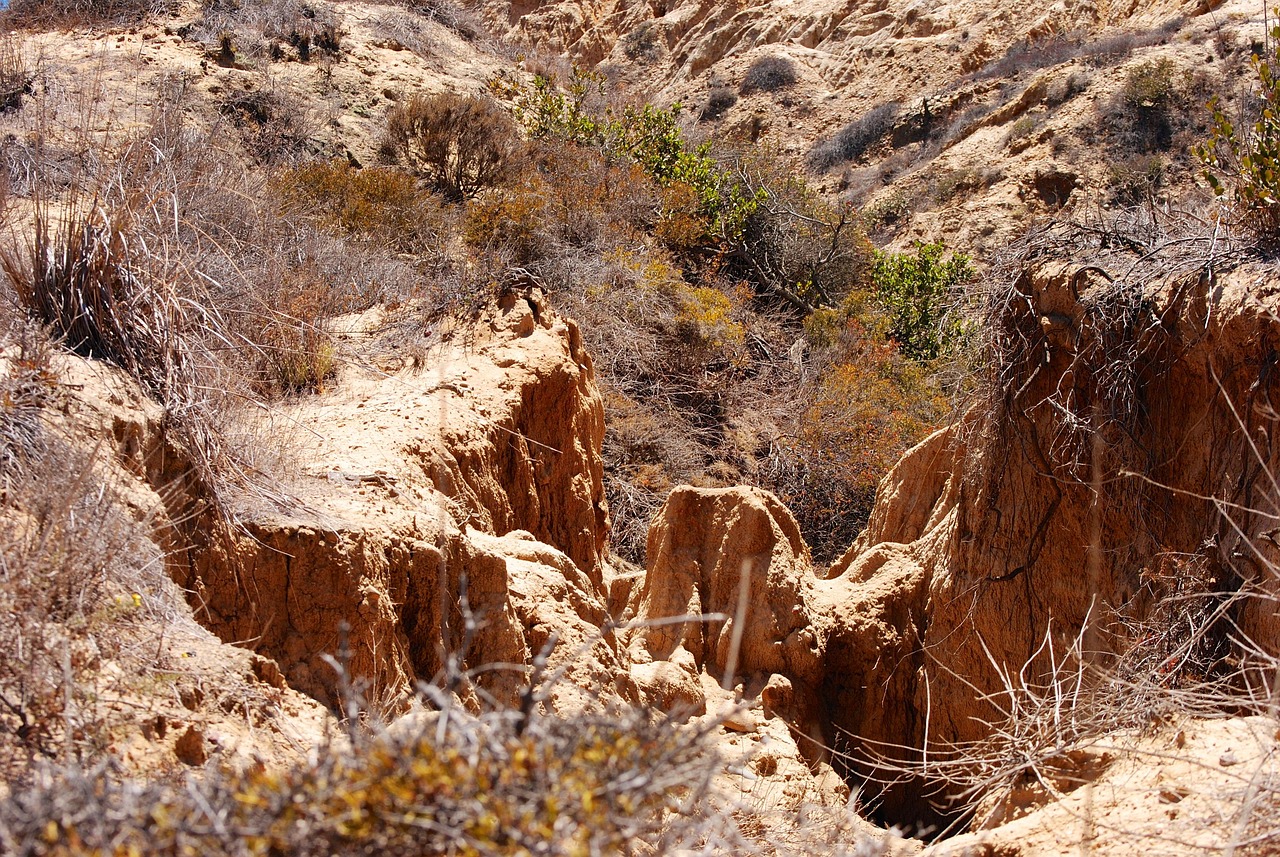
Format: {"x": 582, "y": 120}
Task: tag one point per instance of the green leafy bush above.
{"x": 648, "y": 136}
{"x": 1242, "y": 164}
{"x": 916, "y": 291}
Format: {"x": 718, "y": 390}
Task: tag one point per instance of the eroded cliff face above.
{"x": 450, "y": 519}
{"x": 430, "y": 503}
{"x": 1122, "y": 453}
{"x": 1123, "y": 431}
{"x": 839, "y": 39}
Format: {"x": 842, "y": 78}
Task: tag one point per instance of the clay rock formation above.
{"x": 813, "y": 652}
{"x": 450, "y": 518}
{"x": 722, "y": 551}
{"x": 1125, "y": 439}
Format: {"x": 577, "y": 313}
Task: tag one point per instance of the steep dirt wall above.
{"x": 1121, "y": 454}
{"x": 1126, "y": 433}
{"x": 425, "y": 492}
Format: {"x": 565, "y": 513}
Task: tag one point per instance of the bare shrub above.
{"x": 462, "y": 144}
{"x": 1136, "y": 179}
{"x": 795, "y": 246}
{"x": 269, "y": 30}
{"x": 769, "y": 74}
{"x": 271, "y": 123}
{"x": 719, "y": 99}
{"x": 74, "y": 569}
{"x": 641, "y": 44}
{"x": 49, "y": 14}
{"x": 855, "y": 139}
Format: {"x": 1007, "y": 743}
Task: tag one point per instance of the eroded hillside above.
{"x": 411, "y": 443}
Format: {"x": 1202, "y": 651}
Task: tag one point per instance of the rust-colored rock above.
{"x": 707, "y": 549}
{"x": 190, "y": 747}
{"x": 451, "y": 518}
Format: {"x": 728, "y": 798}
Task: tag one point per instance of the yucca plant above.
{"x": 77, "y": 277}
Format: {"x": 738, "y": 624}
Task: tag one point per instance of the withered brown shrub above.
{"x": 380, "y": 203}
{"x": 461, "y": 144}
{"x": 272, "y": 123}
{"x": 51, "y": 14}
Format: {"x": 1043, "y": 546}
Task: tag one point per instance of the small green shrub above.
{"x": 916, "y": 291}
{"x": 1150, "y": 85}
{"x": 950, "y": 184}
{"x": 1242, "y": 164}
{"x": 462, "y": 144}
{"x": 889, "y": 210}
{"x": 1020, "y": 133}
{"x": 1151, "y": 108}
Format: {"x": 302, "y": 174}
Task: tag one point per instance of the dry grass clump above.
{"x": 769, "y": 74}
{"x": 257, "y": 32}
{"x": 1029, "y": 55}
{"x": 79, "y": 278}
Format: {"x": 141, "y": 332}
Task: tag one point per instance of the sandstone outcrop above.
{"x": 726, "y": 552}
{"x": 451, "y": 518}
{"x": 1126, "y": 437}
